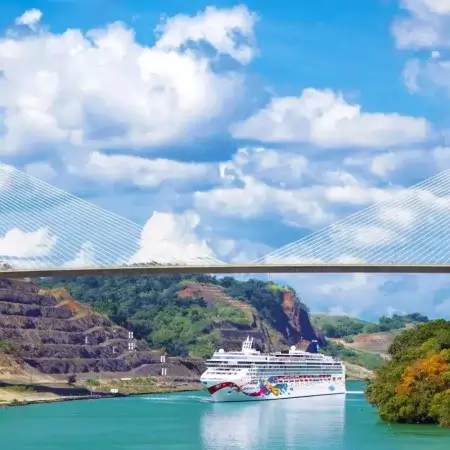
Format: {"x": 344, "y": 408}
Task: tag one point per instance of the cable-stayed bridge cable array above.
{"x": 412, "y": 227}
{"x": 42, "y": 226}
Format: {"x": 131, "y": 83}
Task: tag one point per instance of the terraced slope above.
{"x": 50, "y": 332}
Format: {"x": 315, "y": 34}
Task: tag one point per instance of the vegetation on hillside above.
{"x": 342, "y": 326}
{"x": 369, "y": 360}
{"x": 152, "y": 308}
{"x": 188, "y": 325}
{"x": 414, "y": 387}
{"x": 7, "y": 347}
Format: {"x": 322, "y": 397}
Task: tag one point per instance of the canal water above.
{"x": 190, "y": 421}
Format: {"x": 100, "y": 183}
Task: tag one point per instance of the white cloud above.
{"x": 41, "y": 170}
{"x": 385, "y": 164}
{"x": 258, "y": 181}
{"x": 426, "y": 75}
{"x": 254, "y": 199}
{"x": 17, "y": 243}
{"x": 143, "y": 172}
{"x": 356, "y": 195}
{"x": 444, "y": 308}
{"x": 215, "y": 26}
{"x": 30, "y": 18}
{"x": 104, "y": 89}
{"x": 324, "y": 118}
{"x": 374, "y": 235}
{"x": 85, "y": 257}
{"x": 186, "y": 238}
{"x": 425, "y": 26}
{"x": 356, "y": 281}
{"x": 399, "y": 217}
{"x": 6, "y": 176}
{"x": 441, "y": 155}
{"x": 239, "y": 251}
{"x": 269, "y": 165}
{"x": 168, "y": 237}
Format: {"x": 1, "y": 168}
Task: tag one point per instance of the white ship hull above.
{"x": 223, "y": 391}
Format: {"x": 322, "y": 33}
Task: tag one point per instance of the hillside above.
{"x": 371, "y": 342}
{"x": 48, "y": 332}
{"x": 185, "y": 317}
{"x": 361, "y": 343}
{"x": 413, "y": 387}
{"x": 193, "y": 315}
{"x": 340, "y": 326}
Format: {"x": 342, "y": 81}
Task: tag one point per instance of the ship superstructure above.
{"x": 251, "y": 375}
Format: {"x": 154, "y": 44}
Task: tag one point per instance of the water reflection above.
{"x": 295, "y": 423}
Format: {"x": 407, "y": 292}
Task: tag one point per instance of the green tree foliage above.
{"x": 151, "y": 307}
{"x": 414, "y": 387}
{"x": 341, "y": 326}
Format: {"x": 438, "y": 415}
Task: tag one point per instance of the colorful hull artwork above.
{"x": 263, "y": 388}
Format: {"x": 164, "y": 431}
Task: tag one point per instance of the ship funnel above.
{"x": 313, "y": 347}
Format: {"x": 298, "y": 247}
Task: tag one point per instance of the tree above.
{"x": 414, "y": 386}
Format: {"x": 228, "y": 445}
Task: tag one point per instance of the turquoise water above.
{"x": 191, "y": 421}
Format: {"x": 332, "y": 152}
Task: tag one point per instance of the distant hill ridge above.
{"x": 340, "y": 326}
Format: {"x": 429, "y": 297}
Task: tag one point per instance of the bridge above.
{"x": 45, "y": 231}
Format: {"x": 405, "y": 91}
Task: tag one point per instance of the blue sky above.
{"x": 235, "y": 128}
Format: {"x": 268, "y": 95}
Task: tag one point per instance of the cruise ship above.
{"x": 251, "y": 375}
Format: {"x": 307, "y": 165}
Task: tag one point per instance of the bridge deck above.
{"x": 229, "y": 269}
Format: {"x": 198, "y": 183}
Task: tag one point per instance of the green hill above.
{"x": 336, "y": 326}
{"x": 193, "y": 315}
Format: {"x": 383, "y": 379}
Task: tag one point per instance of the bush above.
{"x": 20, "y": 388}
{"x": 7, "y": 347}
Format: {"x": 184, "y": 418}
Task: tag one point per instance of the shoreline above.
{"x": 99, "y": 396}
